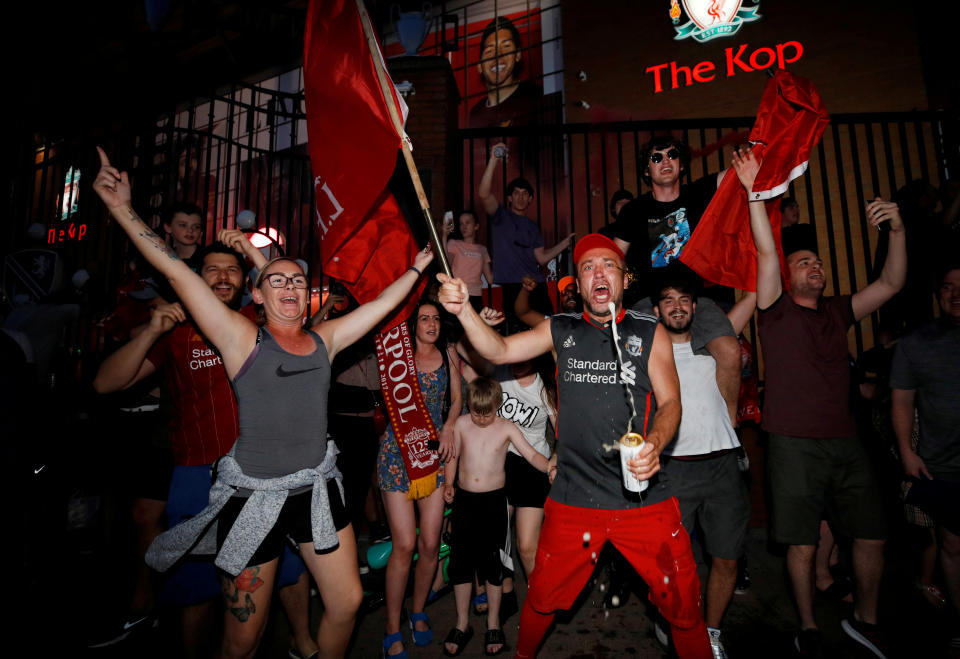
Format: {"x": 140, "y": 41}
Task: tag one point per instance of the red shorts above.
{"x": 651, "y": 538}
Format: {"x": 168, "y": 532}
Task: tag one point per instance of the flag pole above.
{"x": 385, "y": 88}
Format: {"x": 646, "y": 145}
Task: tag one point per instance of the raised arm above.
{"x": 328, "y": 304}
{"x": 237, "y": 239}
{"x": 231, "y": 333}
{"x": 485, "y": 191}
{"x": 529, "y": 453}
{"x": 666, "y": 389}
{"x": 454, "y": 297}
{"x": 742, "y": 311}
{"x": 894, "y": 272}
{"x": 544, "y": 255}
{"x": 341, "y": 332}
{"x": 521, "y": 306}
{"x": 129, "y": 364}
{"x": 769, "y": 286}
{"x": 472, "y": 363}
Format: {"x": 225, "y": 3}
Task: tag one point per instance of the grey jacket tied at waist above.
{"x": 198, "y": 535}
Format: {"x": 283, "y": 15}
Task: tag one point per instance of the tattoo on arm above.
{"x": 152, "y": 236}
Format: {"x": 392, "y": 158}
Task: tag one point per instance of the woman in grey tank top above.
{"x": 283, "y": 291}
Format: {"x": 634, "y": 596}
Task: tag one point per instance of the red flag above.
{"x": 790, "y": 121}
{"x": 365, "y": 240}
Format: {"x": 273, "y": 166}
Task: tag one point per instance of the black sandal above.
{"x": 459, "y": 638}
{"x": 494, "y": 637}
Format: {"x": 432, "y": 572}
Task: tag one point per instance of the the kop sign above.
{"x": 710, "y": 19}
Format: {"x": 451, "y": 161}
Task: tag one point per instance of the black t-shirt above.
{"x": 658, "y": 231}
{"x": 594, "y": 410}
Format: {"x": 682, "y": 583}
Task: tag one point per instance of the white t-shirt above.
{"x": 525, "y": 406}
{"x": 705, "y": 424}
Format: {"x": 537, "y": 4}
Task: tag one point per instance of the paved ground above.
{"x": 758, "y": 624}
{"x": 69, "y": 575}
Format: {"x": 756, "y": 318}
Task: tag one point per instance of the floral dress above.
{"x": 391, "y": 472}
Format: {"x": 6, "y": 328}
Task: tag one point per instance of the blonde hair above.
{"x": 484, "y": 396}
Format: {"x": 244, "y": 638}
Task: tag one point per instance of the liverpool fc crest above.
{"x": 712, "y": 18}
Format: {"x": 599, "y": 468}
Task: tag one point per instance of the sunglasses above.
{"x": 657, "y": 157}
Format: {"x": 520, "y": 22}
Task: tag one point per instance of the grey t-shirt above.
{"x": 928, "y": 362}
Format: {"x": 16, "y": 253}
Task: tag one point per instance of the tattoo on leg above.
{"x": 248, "y": 582}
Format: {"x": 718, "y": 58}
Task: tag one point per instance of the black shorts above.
{"x": 814, "y": 479}
{"x": 480, "y": 543}
{"x": 712, "y": 495}
{"x": 526, "y": 486}
{"x": 293, "y": 523}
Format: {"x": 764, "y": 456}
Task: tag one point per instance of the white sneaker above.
{"x": 716, "y": 644}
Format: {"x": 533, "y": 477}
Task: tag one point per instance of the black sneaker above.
{"x": 809, "y": 643}
{"x": 866, "y": 635}
{"x": 743, "y": 578}
{"x": 118, "y": 633}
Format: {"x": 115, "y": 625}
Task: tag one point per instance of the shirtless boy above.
{"x": 480, "y": 517}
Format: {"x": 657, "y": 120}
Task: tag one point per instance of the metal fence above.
{"x": 245, "y": 148}
{"x": 575, "y": 169}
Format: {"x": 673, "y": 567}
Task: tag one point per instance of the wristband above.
{"x": 415, "y": 269}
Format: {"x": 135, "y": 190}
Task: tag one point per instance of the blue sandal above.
{"x": 390, "y": 639}
{"x": 421, "y": 638}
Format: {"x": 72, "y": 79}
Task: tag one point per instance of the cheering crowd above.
{"x": 277, "y": 426}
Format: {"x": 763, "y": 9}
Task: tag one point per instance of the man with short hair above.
{"x": 652, "y": 231}
{"x": 925, "y": 378}
{"x": 518, "y": 247}
{"x": 588, "y": 504}
{"x": 701, "y": 464}
{"x": 509, "y": 101}
{"x": 203, "y": 427}
{"x": 816, "y": 462}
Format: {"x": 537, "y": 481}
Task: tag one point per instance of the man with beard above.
{"x": 203, "y": 427}
{"x": 588, "y": 504}
{"x": 701, "y": 464}
{"x": 815, "y": 460}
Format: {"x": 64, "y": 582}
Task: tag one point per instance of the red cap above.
{"x": 566, "y": 281}
{"x": 593, "y": 241}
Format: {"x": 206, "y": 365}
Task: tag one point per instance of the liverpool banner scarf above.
{"x": 365, "y": 240}
{"x": 790, "y": 121}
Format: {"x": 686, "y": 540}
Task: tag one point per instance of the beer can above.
{"x": 630, "y": 445}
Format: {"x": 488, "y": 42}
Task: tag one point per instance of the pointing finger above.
{"x": 104, "y": 160}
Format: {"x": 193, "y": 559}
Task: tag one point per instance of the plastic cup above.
{"x": 630, "y": 445}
